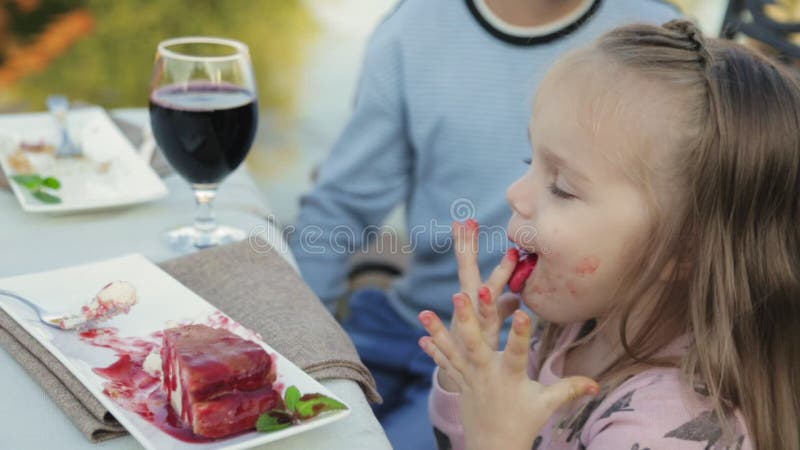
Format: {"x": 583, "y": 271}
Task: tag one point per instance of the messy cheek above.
{"x": 587, "y": 266}
{"x": 573, "y": 291}
{"x": 539, "y": 289}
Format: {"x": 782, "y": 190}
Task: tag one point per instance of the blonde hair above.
{"x": 731, "y": 245}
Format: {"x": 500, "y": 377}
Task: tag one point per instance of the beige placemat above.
{"x": 256, "y": 288}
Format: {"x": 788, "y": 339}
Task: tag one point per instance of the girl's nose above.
{"x": 520, "y": 196}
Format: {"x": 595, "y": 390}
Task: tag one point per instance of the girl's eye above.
{"x": 559, "y": 193}
{"x": 527, "y": 161}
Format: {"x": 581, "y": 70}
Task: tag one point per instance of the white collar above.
{"x": 526, "y": 32}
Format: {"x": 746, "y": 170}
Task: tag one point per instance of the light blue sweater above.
{"x": 439, "y": 125}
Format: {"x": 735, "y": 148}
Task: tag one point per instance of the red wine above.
{"x": 205, "y": 130}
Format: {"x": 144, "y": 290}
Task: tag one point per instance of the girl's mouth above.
{"x": 523, "y": 270}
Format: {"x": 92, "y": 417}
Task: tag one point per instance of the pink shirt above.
{"x": 651, "y": 410}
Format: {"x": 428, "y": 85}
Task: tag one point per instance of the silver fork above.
{"x": 55, "y": 320}
{"x": 58, "y": 105}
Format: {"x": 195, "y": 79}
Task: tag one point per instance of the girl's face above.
{"x": 575, "y": 207}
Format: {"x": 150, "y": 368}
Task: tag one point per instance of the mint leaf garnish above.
{"x": 297, "y": 409}
{"x": 311, "y": 405}
{"x": 274, "y": 420}
{"x": 51, "y": 182}
{"x": 35, "y": 183}
{"x": 44, "y": 197}
{"x": 291, "y": 396}
{"x": 31, "y": 182}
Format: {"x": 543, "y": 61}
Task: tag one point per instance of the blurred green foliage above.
{"x": 24, "y": 25}
{"x": 112, "y": 65}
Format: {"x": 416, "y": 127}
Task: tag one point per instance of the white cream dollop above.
{"x": 152, "y": 365}
{"x": 115, "y": 298}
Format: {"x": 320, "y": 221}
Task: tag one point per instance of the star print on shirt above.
{"x": 575, "y": 424}
{"x": 622, "y": 404}
{"x": 704, "y": 428}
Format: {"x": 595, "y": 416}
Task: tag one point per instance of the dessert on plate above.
{"x": 216, "y": 382}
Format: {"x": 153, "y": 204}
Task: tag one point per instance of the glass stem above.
{"x": 204, "y": 221}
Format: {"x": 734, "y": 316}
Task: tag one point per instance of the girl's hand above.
{"x": 491, "y": 315}
{"x": 500, "y": 406}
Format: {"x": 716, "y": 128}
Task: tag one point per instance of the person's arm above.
{"x": 443, "y": 409}
{"x": 367, "y": 173}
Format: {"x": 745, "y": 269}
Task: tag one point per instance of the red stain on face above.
{"x": 571, "y": 288}
{"x": 536, "y": 289}
{"x": 588, "y": 265}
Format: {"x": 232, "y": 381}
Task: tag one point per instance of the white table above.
{"x": 36, "y": 242}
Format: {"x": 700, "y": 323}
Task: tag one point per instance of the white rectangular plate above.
{"x": 111, "y": 173}
{"x": 162, "y": 300}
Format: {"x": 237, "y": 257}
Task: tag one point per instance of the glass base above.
{"x": 187, "y": 239}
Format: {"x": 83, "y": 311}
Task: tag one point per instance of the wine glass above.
{"x": 204, "y": 114}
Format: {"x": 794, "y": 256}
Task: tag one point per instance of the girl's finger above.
{"x": 515, "y": 356}
{"x": 502, "y": 273}
{"x": 506, "y": 305}
{"x": 443, "y": 340}
{"x": 465, "y": 238}
{"x": 568, "y": 390}
{"x": 469, "y": 332}
{"x": 487, "y": 311}
{"x": 429, "y": 347}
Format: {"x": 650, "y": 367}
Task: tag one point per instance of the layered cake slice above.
{"x": 217, "y": 383}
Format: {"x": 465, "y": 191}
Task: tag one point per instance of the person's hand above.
{"x": 491, "y": 315}
{"x": 500, "y": 406}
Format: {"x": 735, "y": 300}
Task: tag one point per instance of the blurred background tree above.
{"x": 102, "y": 52}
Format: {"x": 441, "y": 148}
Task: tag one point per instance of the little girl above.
{"x": 658, "y": 240}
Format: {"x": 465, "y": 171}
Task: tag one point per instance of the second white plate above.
{"x": 111, "y": 174}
